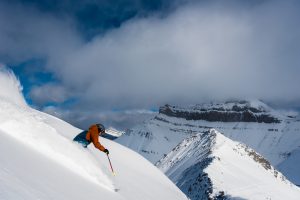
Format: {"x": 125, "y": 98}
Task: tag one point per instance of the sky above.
{"x": 117, "y": 61}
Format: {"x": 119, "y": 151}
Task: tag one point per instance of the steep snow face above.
{"x": 210, "y": 166}
{"x": 39, "y": 160}
{"x": 27, "y": 174}
{"x": 33, "y": 129}
{"x": 275, "y": 141}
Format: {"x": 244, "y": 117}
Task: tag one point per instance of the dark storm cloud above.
{"x": 195, "y": 52}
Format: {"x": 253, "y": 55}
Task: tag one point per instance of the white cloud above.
{"x": 196, "y": 53}
{"x": 200, "y": 52}
{"x": 50, "y": 92}
{"x": 27, "y": 33}
{"x": 121, "y": 120}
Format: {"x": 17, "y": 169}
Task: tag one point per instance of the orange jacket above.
{"x": 93, "y": 135}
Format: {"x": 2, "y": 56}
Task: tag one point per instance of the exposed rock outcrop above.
{"x": 239, "y": 111}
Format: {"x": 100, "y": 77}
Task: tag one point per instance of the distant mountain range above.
{"x": 275, "y": 137}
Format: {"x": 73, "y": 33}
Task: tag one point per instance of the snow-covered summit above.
{"x": 277, "y": 142}
{"x": 230, "y": 111}
{"x": 210, "y": 166}
{"x": 39, "y": 160}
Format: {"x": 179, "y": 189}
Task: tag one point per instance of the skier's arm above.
{"x": 95, "y": 140}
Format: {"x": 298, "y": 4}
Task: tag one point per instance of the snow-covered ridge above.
{"x": 39, "y": 160}
{"x": 210, "y": 166}
{"x": 230, "y": 111}
{"x": 197, "y": 147}
{"x": 277, "y": 142}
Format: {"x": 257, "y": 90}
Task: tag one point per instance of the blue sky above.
{"x": 110, "y": 61}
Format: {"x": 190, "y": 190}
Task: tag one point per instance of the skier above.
{"x": 86, "y": 137}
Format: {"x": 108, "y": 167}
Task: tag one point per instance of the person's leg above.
{"x": 80, "y": 138}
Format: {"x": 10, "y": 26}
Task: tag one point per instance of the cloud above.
{"x": 121, "y": 120}
{"x": 49, "y": 93}
{"x": 201, "y": 51}
{"x": 27, "y": 33}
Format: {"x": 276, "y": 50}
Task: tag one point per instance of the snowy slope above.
{"x": 40, "y": 161}
{"x": 209, "y": 165}
{"x": 27, "y": 174}
{"x": 276, "y": 140}
{"x": 291, "y": 166}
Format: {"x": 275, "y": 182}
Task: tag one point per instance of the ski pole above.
{"x": 112, "y": 170}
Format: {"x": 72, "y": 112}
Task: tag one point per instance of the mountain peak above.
{"x": 229, "y": 111}
{"x": 211, "y": 166}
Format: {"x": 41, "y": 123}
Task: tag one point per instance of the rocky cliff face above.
{"x": 233, "y": 111}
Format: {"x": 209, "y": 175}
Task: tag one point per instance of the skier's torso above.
{"x": 86, "y": 137}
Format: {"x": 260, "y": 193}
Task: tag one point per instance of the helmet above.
{"x": 101, "y": 128}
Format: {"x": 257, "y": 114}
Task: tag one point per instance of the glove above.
{"x": 106, "y": 151}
